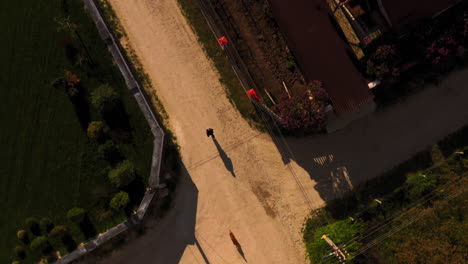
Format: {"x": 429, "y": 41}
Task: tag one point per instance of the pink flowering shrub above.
{"x": 383, "y": 63}
{"x": 441, "y": 48}
{"x": 304, "y": 111}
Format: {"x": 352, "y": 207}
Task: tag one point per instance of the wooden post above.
{"x": 286, "y": 88}
{"x": 337, "y": 250}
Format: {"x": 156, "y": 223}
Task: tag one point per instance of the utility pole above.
{"x": 337, "y": 251}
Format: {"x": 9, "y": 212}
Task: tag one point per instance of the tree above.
{"x": 119, "y": 201}
{"x": 46, "y": 225}
{"x": 76, "y": 215}
{"x": 23, "y": 236}
{"x": 104, "y": 98}
{"x": 305, "y": 111}
{"x": 110, "y": 152}
{"x": 123, "y": 174}
{"x": 79, "y": 217}
{"x": 20, "y": 252}
{"x": 41, "y": 244}
{"x": 61, "y": 233}
{"x": 33, "y": 225}
{"x": 97, "y": 130}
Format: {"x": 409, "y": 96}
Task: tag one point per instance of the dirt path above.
{"x": 232, "y": 183}
{"x": 239, "y": 181}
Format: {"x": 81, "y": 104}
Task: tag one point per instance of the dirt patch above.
{"x": 260, "y": 43}
{"x": 263, "y": 195}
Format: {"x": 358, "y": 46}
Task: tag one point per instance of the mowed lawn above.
{"x": 47, "y": 163}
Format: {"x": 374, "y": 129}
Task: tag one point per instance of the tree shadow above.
{"x": 224, "y": 157}
{"x": 166, "y": 240}
{"x": 136, "y": 191}
{"x": 87, "y": 227}
{"x": 81, "y": 107}
{"x": 118, "y": 121}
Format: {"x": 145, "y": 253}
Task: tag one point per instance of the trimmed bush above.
{"x": 104, "y": 98}
{"x": 384, "y": 63}
{"x": 119, "y": 201}
{"x": 33, "y": 225}
{"x": 41, "y": 244}
{"x": 76, "y": 215}
{"x": 23, "y": 236}
{"x": 110, "y": 152}
{"x": 20, "y": 252}
{"x": 46, "y": 225}
{"x": 97, "y": 130}
{"x": 61, "y": 233}
{"x": 123, "y": 174}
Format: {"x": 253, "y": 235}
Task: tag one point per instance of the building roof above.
{"x": 404, "y": 14}
{"x": 320, "y": 52}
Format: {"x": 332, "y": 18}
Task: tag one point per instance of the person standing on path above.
{"x": 210, "y": 133}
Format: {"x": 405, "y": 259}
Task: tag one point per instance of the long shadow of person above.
{"x": 226, "y": 160}
{"x": 241, "y": 252}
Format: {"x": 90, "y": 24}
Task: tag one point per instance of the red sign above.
{"x": 222, "y": 41}
{"x": 253, "y": 95}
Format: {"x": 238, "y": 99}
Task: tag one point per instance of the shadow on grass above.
{"x": 87, "y": 227}
{"x": 136, "y": 191}
{"x": 118, "y": 122}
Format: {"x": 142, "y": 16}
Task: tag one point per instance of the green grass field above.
{"x": 47, "y": 163}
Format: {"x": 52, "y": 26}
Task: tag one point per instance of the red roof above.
{"x": 320, "y": 52}
{"x": 403, "y": 14}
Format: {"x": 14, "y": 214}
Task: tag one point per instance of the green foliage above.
{"x": 119, "y": 201}
{"x": 109, "y": 151}
{"x": 97, "y": 130}
{"x": 104, "y": 98}
{"x": 46, "y": 225}
{"x": 59, "y": 232}
{"x": 33, "y": 226}
{"x": 291, "y": 65}
{"x": 40, "y": 244}
{"x": 61, "y": 164}
{"x": 340, "y": 232}
{"x": 123, "y": 174}
{"x": 76, "y": 215}
{"x": 20, "y": 252}
{"x": 23, "y": 236}
{"x": 420, "y": 184}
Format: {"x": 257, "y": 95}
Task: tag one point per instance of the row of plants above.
{"x": 425, "y": 195}
{"x": 110, "y": 131}
{"x": 424, "y": 54}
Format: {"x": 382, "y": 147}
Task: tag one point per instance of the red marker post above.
{"x": 223, "y": 41}
{"x": 253, "y": 95}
